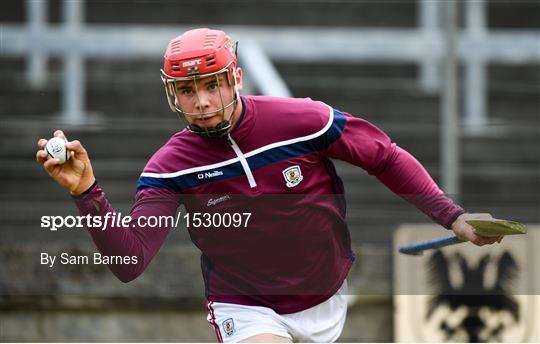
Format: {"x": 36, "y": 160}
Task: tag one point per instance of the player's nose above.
{"x": 202, "y": 102}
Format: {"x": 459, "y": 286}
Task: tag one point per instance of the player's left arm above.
{"x": 363, "y": 144}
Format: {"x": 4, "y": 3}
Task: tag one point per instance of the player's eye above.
{"x": 213, "y": 86}
{"x": 185, "y": 91}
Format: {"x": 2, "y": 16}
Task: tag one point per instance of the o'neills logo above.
{"x": 209, "y": 174}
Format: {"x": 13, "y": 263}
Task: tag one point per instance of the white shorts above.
{"x": 321, "y": 323}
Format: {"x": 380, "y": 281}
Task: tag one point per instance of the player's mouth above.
{"x": 207, "y": 120}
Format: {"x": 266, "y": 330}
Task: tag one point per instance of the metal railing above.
{"x": 74, "y": 41}
{"x": 426, "y": 45}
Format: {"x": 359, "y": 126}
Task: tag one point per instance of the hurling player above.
{"x": 283, "y": 276}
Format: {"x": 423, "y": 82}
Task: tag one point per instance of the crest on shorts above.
{"x": 293, "y": 176}
{"x": 228, "y": 326}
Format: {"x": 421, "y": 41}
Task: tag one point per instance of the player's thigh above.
{"x": 266, "y": 338}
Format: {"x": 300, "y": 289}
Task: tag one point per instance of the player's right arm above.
{"x": 112, "y": 239}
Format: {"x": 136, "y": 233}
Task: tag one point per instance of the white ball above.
{"x": 56, "y": 149}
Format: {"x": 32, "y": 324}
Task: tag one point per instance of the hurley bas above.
{"x": 96, "y": 258}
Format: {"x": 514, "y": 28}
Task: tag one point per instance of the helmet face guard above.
{"x": 201, "y": 54}
{"x": 171, "y": 85}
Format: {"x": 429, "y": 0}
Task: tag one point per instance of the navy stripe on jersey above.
{"x": 262, "y": 159}
{"x": 190, "y": 180}
{"x": 316, "y": 144}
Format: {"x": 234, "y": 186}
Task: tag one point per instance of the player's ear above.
{"x": 238, "y": 75}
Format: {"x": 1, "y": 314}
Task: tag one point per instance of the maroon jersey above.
{"x": 275, "y": 164}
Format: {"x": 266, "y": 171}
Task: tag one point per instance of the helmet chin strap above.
{"x": 218, "y": 131}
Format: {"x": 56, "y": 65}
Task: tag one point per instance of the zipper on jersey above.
{"x": 243, "y": 161}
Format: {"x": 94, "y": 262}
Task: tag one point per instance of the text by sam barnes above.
{"x": 97, "y": 258}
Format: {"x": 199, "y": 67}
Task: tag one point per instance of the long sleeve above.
{"x": 364, "y": 145}
{"x": 143, "y": 242}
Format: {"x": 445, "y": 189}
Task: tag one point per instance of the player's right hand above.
{"x": 75, "y": 174}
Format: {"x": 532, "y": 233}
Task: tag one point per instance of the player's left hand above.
{"x": 464, "y": 231}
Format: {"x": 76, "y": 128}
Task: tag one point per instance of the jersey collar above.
{"x": 245, "y": 123}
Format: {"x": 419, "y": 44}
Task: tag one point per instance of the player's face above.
{"x": 205, "y": 99}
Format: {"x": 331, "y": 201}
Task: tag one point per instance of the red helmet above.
{"x": 198, "y": 54}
